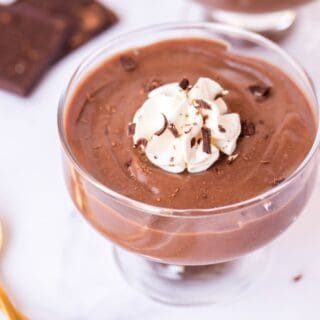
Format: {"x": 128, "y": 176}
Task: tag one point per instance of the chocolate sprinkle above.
{"x": 193, "y": 142}
{"x": 174, "y": 130}
{"x": 260, "y": 91}
{"x": 222, "y": 129}
{"x": 128, "y": 63}
{"x": 201, "y": 104}
{"x": 141, "y": 142}
{"x": 247, "y": 128}
{"x": 164, "y": 127}
{"x": 206, "y": 135}
{"x": 131, "y": 129}
{"x": 184, "y": 84}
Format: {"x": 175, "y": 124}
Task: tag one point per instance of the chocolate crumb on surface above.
{"x": 184, "y": 84}
{"x": 128, "y": 63}
{"x": 260, "y": 91}
{"x": 247, "y": 128}
{"x": 174, "y": 130}
{"x": 201, "y": 104}
{"x": 131, "y": 129}
{"x": 298, "y": 277}
{"x": 164, "y": 127}
{"x": 206, "y": 135}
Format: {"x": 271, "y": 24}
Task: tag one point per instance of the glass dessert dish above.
{"x": 190, "y": 256}
{"x": 259, "y": 16}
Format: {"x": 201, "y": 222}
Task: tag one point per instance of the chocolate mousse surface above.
{"x": 278, "y": 125}
{"x": 254, "y": 6}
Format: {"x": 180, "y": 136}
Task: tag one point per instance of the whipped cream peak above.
{"x": 186, "y": 129}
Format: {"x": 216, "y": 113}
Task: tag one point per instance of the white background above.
{"x": 57, "y": 268}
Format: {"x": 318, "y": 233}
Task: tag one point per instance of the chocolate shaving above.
{"x": 128, "y": 163}
{"x": 201, "y": 104}
{"x": 174, "y": 130}
{"x": 205, "y": 118}
{"x": 152, "y": 85}
{"x": 188, "y": 131}
{"x": 260, "y": 91}
{"x": 128, "y": 63}
{"x": 131, "y": 129}
{"x": 247, "y": 128}
{"x": 199, "y": 140}
{"x": 221, "y": 128}
{"x": 193, "y": 142}
{"x": 141, "y": 142}
{"x": 218, "y": 96}
{"x": 206, "y": 135}
{"x": 278, "y": 181}
{"x": 184, "y": 84}
{"x": 164, "y": 127}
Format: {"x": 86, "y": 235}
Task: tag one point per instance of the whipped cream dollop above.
{"x": 180, "y": 127}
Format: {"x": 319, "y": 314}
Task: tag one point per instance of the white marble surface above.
{"x": 57, "y": 268}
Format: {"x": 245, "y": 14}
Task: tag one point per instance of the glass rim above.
{"x": 187, "y": 212}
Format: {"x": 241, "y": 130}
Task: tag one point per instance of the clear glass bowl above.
{"x": 261, "y": 16}
{"x": 195, "y": 255}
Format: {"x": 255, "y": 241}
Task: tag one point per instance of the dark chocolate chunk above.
{"x": 184, "y": 84}
{"x": 131, "y": 129}
{"x": 30, "y": 42}
{"x": 193, "y": 142}
{"x": 247, "y": 128}
{"x": 164, "y": 127}
{"x": 260, "y": 91}
{"x": 128, "y": 63}
{"x": 221, "y": 128}
{"x": 201, "y": 104}
{"x": 206, "y": 135}
{"x": 141, "y": 142}
{"x": 174, "y": 130}
{"x": 87, "y": 17}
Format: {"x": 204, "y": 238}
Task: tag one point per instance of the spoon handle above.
{"x": 7, "y": 307}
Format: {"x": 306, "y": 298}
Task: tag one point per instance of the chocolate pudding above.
{"x": 278, "y": 128}
{"x": 254, "y": 6}
{"x": 278, "y": 125}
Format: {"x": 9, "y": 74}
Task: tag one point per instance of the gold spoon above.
{"x": 6, "y": 305}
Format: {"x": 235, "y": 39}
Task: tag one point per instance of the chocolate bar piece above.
{"x": 88, "y": 17}
{"x": 30, "y": 42}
